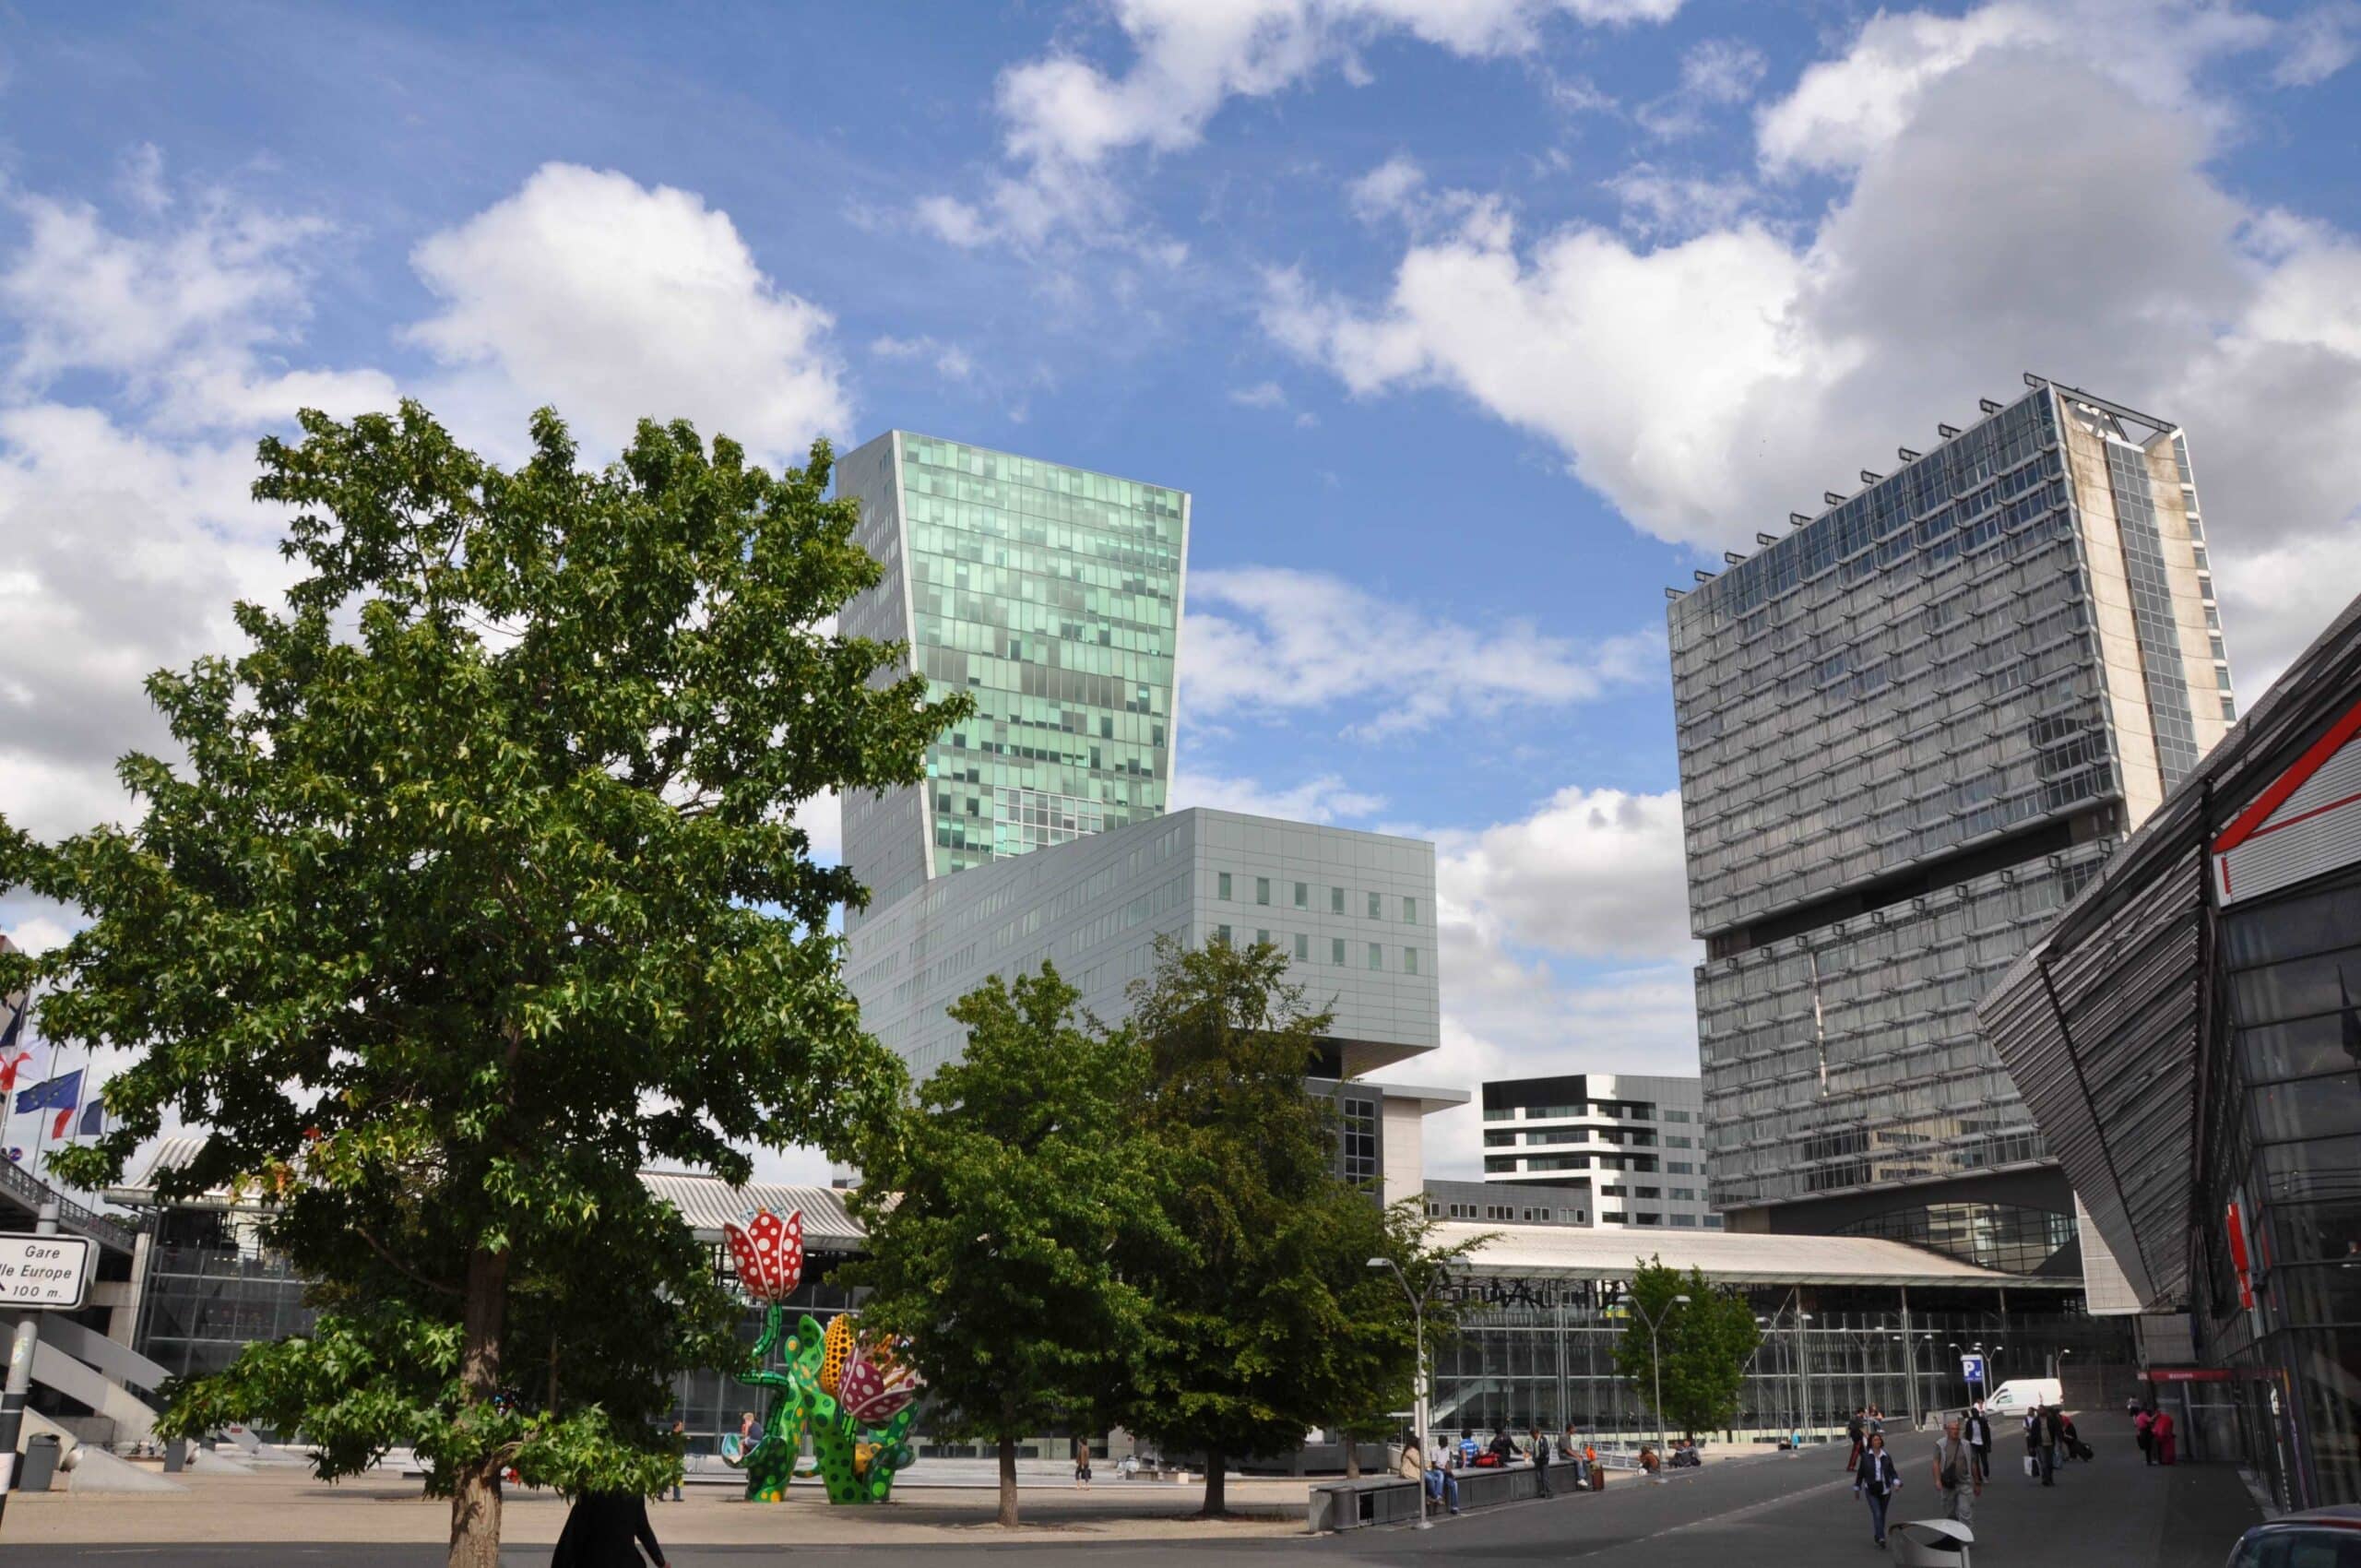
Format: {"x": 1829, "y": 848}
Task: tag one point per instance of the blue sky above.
{"x": 1470, "y": 325}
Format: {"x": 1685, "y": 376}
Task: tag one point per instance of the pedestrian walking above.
{"x": 1955, "y": 1475}
{"x": 2167, "y": 1440}
{"x": 2053, "y": 1431}
{"x": 1538, "y": 1450}
{"x": 607, "y": 1529}
{"x": 1978, "y": 1432}
{"x": 2032, "y": 1444}
{"x": 2143, "y": 1432}
{"x": 1081, "y": 1448}
{"x": 680, "y": 1440}
{"x": 1877, "y": 1480}
{"x": 1855, "y": 1430}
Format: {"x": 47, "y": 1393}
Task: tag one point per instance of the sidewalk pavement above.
{"x": 290, "y": 1506}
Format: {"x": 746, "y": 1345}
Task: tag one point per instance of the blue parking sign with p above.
{"x": 1971, "y": 1369}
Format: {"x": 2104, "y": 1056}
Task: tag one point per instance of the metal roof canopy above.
{"x": 1727, "y": 1257}
{"x": 2101, "y": 1022}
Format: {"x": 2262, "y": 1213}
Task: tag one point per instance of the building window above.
{"x": 1361, "y": 1142}
{"x": 1673, "y": 1140}
{"x": 1221, "y": 935}
{"x": 1337, "y": 951}
{"x": 1262, "y": 890}
{"x": 1374, "y": 901}
{"x": 1499, "y": 1211}
{"x": 1303, "y": 947}
{"x": 1608, "y": 1217}
{"x": 1647, "y": 1217}
{"x": 1262, "y": 938}
{"x": 1221, "y": 885}
{"x": 1336, "y": 901}
{"x": 1670, "y": 1115}
{"x": 1409, "y": 911}
{"x": 1713, "y": 1222}
{"x": 1303, "y": 894}
{"x": 2229, "y": 708}
{"x": 1688, "y": 1219}
{"x": 1376, "y": 957}
{"x": 1410, "y": 960}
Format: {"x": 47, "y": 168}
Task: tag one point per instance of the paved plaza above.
{"x": 1763, "y": 1513}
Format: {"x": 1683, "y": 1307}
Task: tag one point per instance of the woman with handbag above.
{"x": 1875, "y": 1480}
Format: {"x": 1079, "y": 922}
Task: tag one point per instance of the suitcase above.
{"x": 2082, "y": 1450}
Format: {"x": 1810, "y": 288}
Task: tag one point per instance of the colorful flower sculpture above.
{"x": 853, "y": 1395}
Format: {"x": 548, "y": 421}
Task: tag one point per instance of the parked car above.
{"x": 2319, "y": 1538}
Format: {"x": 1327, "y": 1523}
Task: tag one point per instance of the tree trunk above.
{"x": 475, "y": 1491}
{"x": 1008, "y": 1481}
{"x": 1216, "y": 1464}
{"x": 1352, "y": 1458}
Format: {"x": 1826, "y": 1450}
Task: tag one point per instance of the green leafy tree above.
{"x": 1267, "y": 1322}
{"x": 993, "y": 1206}
{"x": 1378, "y": 1370}
{"x": 480, "y": 888}
{"x": 1703, "y": 1343}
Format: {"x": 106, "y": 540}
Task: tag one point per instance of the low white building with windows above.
{"x": 1630, "y": 1144}
{"x": 1354, "y": 912}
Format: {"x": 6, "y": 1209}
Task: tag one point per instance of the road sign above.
{"x": 44, "y": 1271}
{"x": 1971, "y": 1369}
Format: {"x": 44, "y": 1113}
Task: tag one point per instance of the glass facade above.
{"x": 211, "y": 1292}
{"x": 1900, "y": 757}
{"x": 1051, "y": 596}
{"x": 2284, "y": 1107}
{"x": 1541, "y": 1353}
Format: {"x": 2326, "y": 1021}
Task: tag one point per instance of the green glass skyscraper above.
{"x": 1052, "y": 596}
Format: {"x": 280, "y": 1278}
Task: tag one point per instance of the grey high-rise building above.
{"x": 1910, "y": 730}
{"x": 1052, "y": 596}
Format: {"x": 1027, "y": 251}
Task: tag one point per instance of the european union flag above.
{"x": 58, "y": 1094}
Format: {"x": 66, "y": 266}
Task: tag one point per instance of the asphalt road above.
{"x": 1765, "y": 1513}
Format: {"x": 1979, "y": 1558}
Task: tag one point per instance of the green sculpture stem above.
{"x": 837, "y": 1440}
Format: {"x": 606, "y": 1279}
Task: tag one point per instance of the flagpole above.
{"x": 41, "y": 1134}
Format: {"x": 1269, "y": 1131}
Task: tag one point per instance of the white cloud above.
{"x": 1844, "y": 110}
{"x": 1325, "y": 798}
{"x": 1565, "y": 948}
{"x": 1064, "y": 118}
{"x": 2319, "y": 44}
{"x": 1387, "y": 189}
{"x": 951, "y": 362}
{"x": 1658, "y": 202}
{"x": 130, "y": 528}
{"x": 613, "y": 301}
{"x": 1708, "y": 387}
{"x": 1715, "y": 73}
{"x": 1592, "y": 874}
{"x": 187, "y": 320}
{"x": 1268, "y": 639}
{"x": 1262, "y": 394}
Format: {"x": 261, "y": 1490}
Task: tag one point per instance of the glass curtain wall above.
{"x": 1543, "y": 1353}
{"x": 2284, "y": 1131}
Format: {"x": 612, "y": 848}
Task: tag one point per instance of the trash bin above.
{"x": 175, "y": 1456}
{"x": 41, "y": 1462}
{"x": 1930, "y": 1543}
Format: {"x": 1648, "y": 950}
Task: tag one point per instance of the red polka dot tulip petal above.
{"x": 768, "y": 1251}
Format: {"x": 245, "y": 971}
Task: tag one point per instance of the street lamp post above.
{"x": 1656, "y": 1365}
{"x": 1803, "y": 1365}
{"x": 1419, "y": 1389}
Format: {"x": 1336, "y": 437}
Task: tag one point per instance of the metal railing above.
{"x": 32, "y": 1191}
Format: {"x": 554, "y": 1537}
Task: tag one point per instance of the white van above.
{"x": 2020, "y": 1394}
